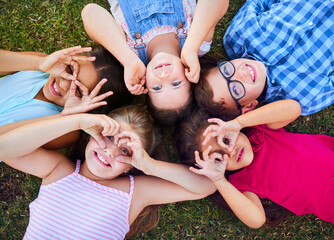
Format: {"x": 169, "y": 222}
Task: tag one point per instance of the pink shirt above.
{"x": 76, "y": 207}
{"x": 189, "y": 10}
{"x": 294, "y": 170}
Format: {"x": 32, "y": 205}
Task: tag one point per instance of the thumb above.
{"x": 123, "y": 159}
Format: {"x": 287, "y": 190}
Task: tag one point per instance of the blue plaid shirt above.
{"x": 295, "y": 41}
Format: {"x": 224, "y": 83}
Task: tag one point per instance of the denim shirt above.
{"x": 141, "y": 16}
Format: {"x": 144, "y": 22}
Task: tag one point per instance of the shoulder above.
{"x": 64, "y": 168}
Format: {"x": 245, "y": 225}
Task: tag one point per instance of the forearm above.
{"x": 207, "y": 15}
{"x": 244, "y": 208}
{"x": 103, "y": 28}
{"x": 182, "y": 176}
{"x": 19, "y": 61}
{"x": 284, "y": 112}
{"x": 27, "y": 138}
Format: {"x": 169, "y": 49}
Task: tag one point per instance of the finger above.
{"x": 70, "y": 50}
{"x": 92, "y": 106}
{"x": 114, "y": 126}
{"x": 216, "y": 156}
{"x": 73, "y": 89}
{"x": 83, "y": 58}
{"x": 215, "y": 120}
{"x": 123, "y": 141}
{"x": 124, "y": 159}
{"x": 97, "y": 88}
{"x": 83, "y": 89}
{"x": 76, "y": 50}
{"x": 195, "y": 170}
{"x": 135, "y": 90}
{"x": 206, "y": 152}
{"x": 75, "y": 67}
{"x": 208, "y": 137}
{"x": 198, "y": 159}
{"x": 102, "y": 96}
{"x": 100, "y": 140}
{"x": 134, "y": 137}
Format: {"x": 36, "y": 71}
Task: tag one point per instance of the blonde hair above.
{"x": 142, "y": 123}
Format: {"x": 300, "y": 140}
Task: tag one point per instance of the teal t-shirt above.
{"x": 17, "y": 92}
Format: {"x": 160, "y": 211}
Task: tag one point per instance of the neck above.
{"x": 163, "y": 43}
{"x": 40, "y": 96}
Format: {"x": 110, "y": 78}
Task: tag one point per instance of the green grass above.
{"x": 47, "y": 26}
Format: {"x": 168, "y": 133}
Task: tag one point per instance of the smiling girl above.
{"x": 26, "y": 96}
{"x": 92, "y": 198}
{"x": 152, "y": 33}
{"x": 293, "y": 170}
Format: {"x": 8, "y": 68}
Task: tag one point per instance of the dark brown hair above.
{"x": 204, "y": 94}
{"x": 107, "y": 66}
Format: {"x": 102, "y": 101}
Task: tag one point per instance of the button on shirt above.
{"x": 295, "y": 41}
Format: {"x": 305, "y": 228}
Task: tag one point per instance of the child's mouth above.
{"x": 101, "y": 160}
{"x": 162, "y": 65}
{"x": 252, "y": 72}
{"x": 240, "y": 155}
{"x": 54, "y": 89}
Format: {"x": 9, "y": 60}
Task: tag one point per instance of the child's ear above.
{"x": 249, "y": 107}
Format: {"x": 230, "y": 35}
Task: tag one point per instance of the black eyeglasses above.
{"x": 236, "y": 88}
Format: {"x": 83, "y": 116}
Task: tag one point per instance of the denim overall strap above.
{"x": 142, "y": 16}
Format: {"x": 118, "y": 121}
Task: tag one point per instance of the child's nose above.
{"x": 64, "y": 84}
{"x": 240, "y": 73}
{"x": 111, "y": 150}
{"x": 163, "y": 75}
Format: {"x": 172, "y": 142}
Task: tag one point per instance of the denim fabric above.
{"x": 142, "y": 16}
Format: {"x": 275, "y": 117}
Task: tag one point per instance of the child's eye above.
{"x": 111, "y": 138}
{"x": 226, "y": 141}
{"x": 157, "y": 88}
{"x": 124, "y": 150}
{"x": 176, "y": 83}
{"x": 235, "y": 91}
{"x": 69, "y": 69}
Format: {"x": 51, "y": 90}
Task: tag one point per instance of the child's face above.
{"x": 241, "y": 157}
{"x": 56, "y": 89}
{"x": 168, "y": 86}
{"x": 101, "y": 163}
{"x": 252, "y": 74}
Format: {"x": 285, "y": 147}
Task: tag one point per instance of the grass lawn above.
{"x": 47, "y": 26}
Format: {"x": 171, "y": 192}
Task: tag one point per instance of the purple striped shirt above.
{"x": 76, "y": 207}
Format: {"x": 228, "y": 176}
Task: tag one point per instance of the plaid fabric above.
{"x": 295, "y": 40}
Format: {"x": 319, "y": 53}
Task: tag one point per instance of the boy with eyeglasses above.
{"x": 280, "y": 50}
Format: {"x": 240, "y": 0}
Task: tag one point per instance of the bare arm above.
{"x": 55, "y": 63}
{"x": 207, "y": 15}
{"x": 246, "y": 206}
{"x": 11, "y": 62}
{"x": 275, "y": 115}
{"x": 21, "y": 147}
{"x": 57, "y": 143}
{"x": 103, "y": 28}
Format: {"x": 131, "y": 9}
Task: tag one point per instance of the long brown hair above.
{"x": 139, "y": 120}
